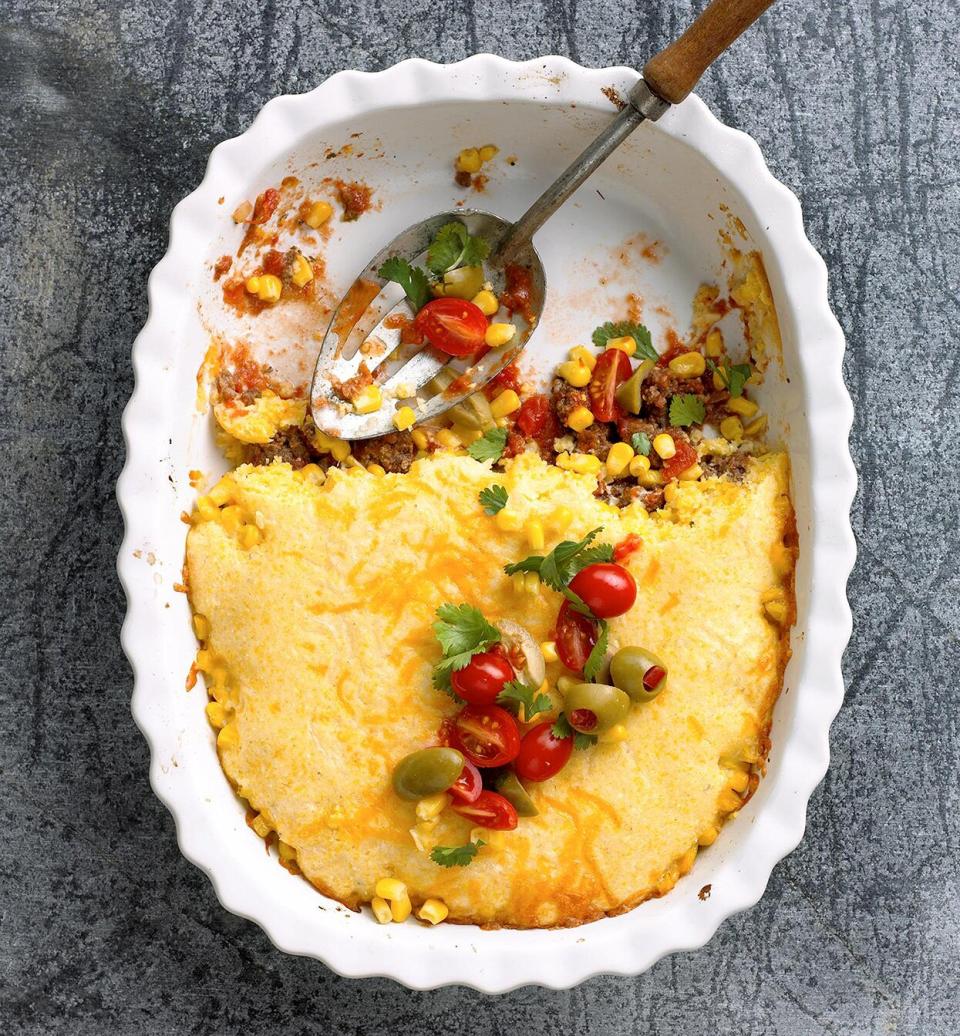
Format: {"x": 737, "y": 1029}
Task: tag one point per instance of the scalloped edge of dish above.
{"x": 626, "y": 947}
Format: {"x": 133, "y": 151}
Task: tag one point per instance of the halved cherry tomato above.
{"x": 542, "y": 754}
{"x": 487, "y": 735}
{"x": 576, "y": 635}
{"x": 483, "y": 677}
{"x": 454, "y": 326}
{"x": 612, "y": 368}
{"x": 467, "y": 787}
{"x": 685, "y": 456}
{"x": 489, "y": 809}
{"x": 627, "y": 546}
{"x": 533, "y": 415}
{"x": 606, "y": 589}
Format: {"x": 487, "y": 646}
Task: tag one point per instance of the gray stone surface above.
{"x": 107, "y": 114}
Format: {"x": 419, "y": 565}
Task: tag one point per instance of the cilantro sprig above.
{"x": 640, "y": 442}
{"x": 598, "y": 653}
{"x": 686, "y": 409}
{"x": 561, "y": 729}
{"x": 734, "y": 376}
{"x": 622, "y": 329}
{"x": 567, "y": 558}
{"x": 517, "y": 693}
{"x": 411, "y": 278}
{"x": 491, "y": 446}
{"x": 456, "y": 855}
{"x": 493, "y": 499}
{"x": 454, "y": 246}
{"x": 462, "y": 631}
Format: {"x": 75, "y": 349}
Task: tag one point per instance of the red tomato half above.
{"x": 453, "y": 326}
{"x": 487, "y": 735}
{"x": 541, "y": 754}
{"x": 606, "y": 589}
{"x": 483, "y": 677}
{"x": 467, "y": 787}
{"x": 533, "y": 415}
{"x": 613, "y": 367}
{"x": 685, "y": 456}
{"x": 488, "y": 810}
{"x": 576, "y": 635}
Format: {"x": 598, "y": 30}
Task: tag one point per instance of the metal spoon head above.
{"x": 366, "y": 326}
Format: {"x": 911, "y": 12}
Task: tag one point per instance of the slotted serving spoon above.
{"x": 365, "y": 328}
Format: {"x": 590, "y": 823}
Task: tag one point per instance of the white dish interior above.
{"x": 674, "y": 183}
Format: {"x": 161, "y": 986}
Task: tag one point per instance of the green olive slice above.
{"x": 427, "y": 772}
{"x": 509, "y": 786}
{"x": 593, "y": 708}
{"x": 628, "y": 395}
{"x": 638, "y": 672}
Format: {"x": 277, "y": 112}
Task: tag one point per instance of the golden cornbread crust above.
{"x": 321, "y": 644}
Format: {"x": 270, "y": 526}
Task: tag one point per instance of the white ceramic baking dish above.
{"x": 676, "y": 183}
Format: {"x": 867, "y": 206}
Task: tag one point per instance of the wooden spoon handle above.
{"x": 677, "y": 69}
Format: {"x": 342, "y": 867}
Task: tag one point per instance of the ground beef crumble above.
{"x": 733, "y": 465}
{"x": 394, "y": 452}
{"x": 289, "y": 444}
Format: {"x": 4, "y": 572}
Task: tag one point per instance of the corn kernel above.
{"x": 685, "y": 863}
{"x": 488, "y": 151}
{"x": 664, "y": 446}
{"x": 207, "y": 509}
{"x": 469, "y": 161}
{"x": 395, "y": 893}
{"x": 560, "y": 518}
{"x": 517, "y": 582}
{"x": 433, "y": 910}
{"x": 313, "y": 473}
{"x": 231, "y": 518}
{"x": 302, "y": 271}
{"x": 216, "y": 715}
{"x": 222, "y": 492}
{"x": 508, "y": 521}
{"x": 531, "y": 582}
{"x": 619, "y": 457}
{"x": 448, "y": 438}
{"x": 617, "y": 733}
{"x": 690, "y": 474}
{"x": 404, "y": 418}
{"x": 627, "y": 344}
{"x": 228, "y": 736}
{"x": 260, "y": 825}
{"x": 498, "y": 335}
{"x": 490, "y": 838}
{"x": 575, "y": 373}
{"x": 718, "y": 383}
{"x": 318, "y": 214}
{"x": 506, "y": 403}
{"x": 286, "y": 852}
{"x": 486, "y": 302}
{"x": 651, "y": 479}
{"x": 204, "y": 660}
{"x": 250, "y": 536}
{"x": 585, "y": 463}
{"x": 580, "y": 418}
{"x": 534, "y": 533}
{"x": 376, "y": 469}
{"x": 578, "y": 352}
{"x": 340, "y": 450}
{"x": 267, "y": 287}
{"x": 708, "y": 836}
{"x": 742, "y": 406}
{"x": 756, "y": 427}
{"x": 418, "y": 435}
{"x": 432, "y": 806}
{"x": 776, "y": 610}
{"x": 639, "y": 465}
{"x": 369, "y": 400}
{"x": 739, "y": 781}
{"x": 381, "y": 910}
{"x": 714, "y": 344}
{"x": 731, "y": 428}
{"x": 688, "y": 365}
{"x": 548, "y": 648}
{"x": 729, "y": 801}
{"x": 201, "y": 626}
{"x": 670, "y": 491}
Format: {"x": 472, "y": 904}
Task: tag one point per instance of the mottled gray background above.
{"x": 107, "y": 114}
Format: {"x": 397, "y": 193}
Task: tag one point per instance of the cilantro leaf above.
{"x": 598, "y": 654}
{"x": 533, "y": 703}
{"x": 594, "y": 555}
{"x": 493, "y": 499}
{"x": 686, "y": 410}
{"x": 640, "y": 443}
{"x": 411, "y": 278}
{"x": 557, "y": 568}
{"x": 456, "y": 855}
{"x": 621, "y": 329}
{"x": 582, "y": 741}
{"x": 491, "y": 446}
{"x": 461, "y": 628}
{"x": 453, "y": 246}
{"x": 734, "y": 376}
{"x": 562, "y": 729}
